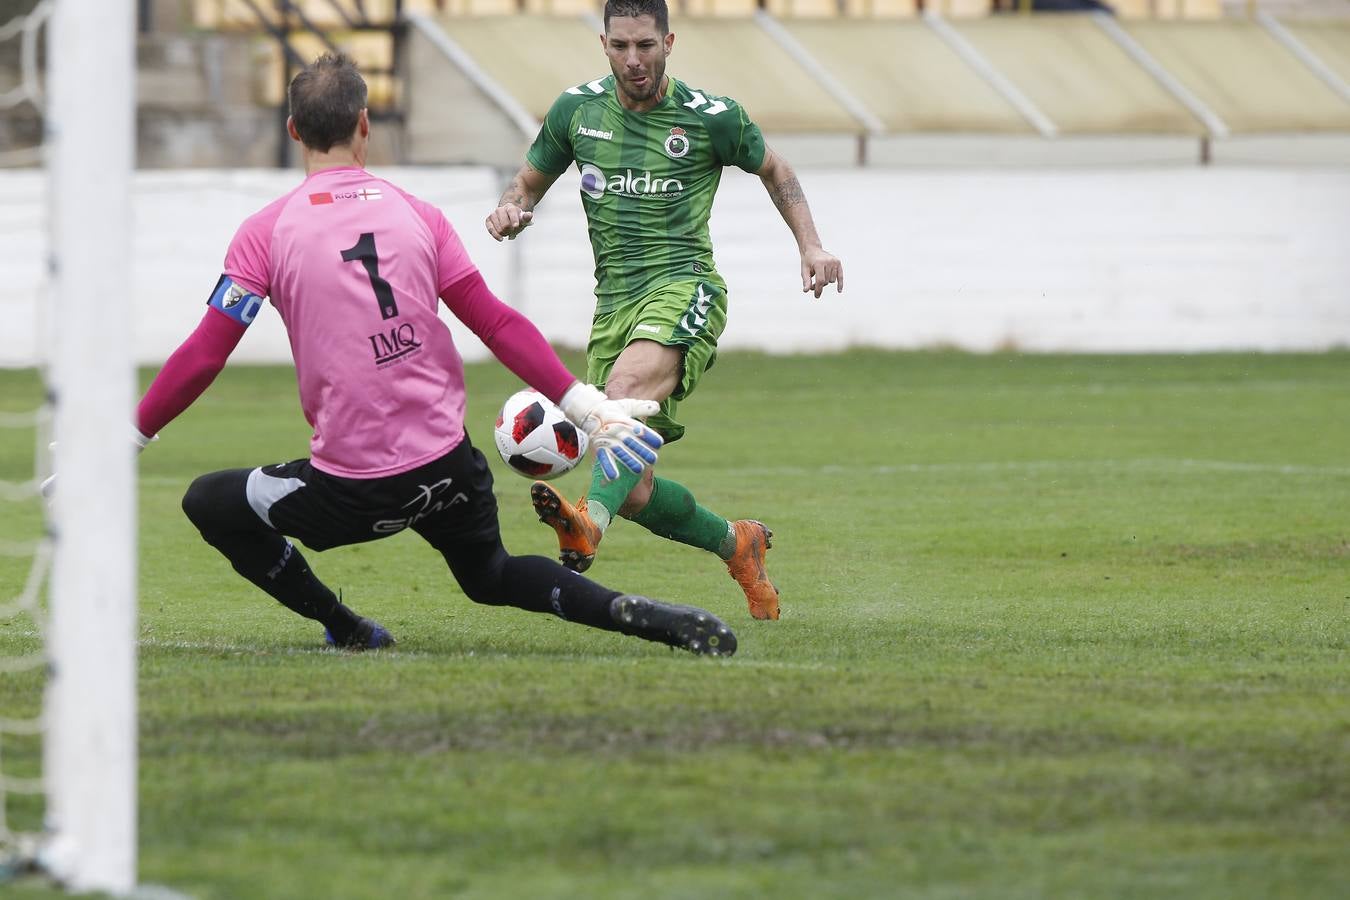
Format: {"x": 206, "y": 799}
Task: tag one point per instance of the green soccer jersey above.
{"x": 647, "y": 179}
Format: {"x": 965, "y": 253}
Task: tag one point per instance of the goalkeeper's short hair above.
{"x": 326, "y": 99}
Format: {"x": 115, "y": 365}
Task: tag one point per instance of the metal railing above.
{"x": 283, "y": 20}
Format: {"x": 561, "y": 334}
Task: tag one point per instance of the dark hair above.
{"x": 634, "y": 8}
{"x": 326, "y": 101}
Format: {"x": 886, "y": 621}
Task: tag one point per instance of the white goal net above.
{"x": 25, "y": 547}
{"x": 67, "y": 611}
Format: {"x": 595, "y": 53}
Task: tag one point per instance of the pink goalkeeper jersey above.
{"x": 355, "y": 267}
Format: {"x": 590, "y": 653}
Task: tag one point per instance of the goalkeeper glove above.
{"x": 49, "y": 483}
{"x": 613, "y": 429}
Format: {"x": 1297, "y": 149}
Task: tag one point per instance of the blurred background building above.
{"x": 832, "y": 82}
{"x": 1057, "y": 175}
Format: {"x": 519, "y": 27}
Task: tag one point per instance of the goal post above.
{"x": 89, "y": 755}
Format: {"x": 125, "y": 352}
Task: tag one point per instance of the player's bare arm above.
{"x": 515, "y": 209}
{"x": 819, "y": 266}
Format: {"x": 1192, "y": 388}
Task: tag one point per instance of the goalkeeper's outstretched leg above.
{"x": 490, "y": 575}
{"x": 246, "y": 514}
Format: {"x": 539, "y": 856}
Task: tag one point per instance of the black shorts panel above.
{"x": 448, "y": 501}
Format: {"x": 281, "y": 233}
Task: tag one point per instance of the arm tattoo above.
{"x": 515, "y": 193}
{"x": 787, "y": 194}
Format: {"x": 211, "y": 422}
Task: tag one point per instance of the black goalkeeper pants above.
{"x": 247, "y": 514}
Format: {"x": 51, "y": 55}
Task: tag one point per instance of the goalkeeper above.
{"x": 650, "y": 150}
{"x": 354, "y": 266}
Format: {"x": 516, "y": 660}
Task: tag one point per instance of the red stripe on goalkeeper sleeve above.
{"x": 188, "y": 371}
{"x": 510, "y": 336}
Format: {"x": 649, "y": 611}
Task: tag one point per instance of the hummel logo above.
{"x": 595, "y": 133}
{"x": 654, "y": 329}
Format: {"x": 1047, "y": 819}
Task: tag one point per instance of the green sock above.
{"x": 608, "y": 496}
{"x": 672, "y": 513}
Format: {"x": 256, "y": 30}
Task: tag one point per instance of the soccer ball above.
{"x": 535, "y": 438}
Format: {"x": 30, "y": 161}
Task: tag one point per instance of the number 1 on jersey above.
{"x": 384, "y": 293}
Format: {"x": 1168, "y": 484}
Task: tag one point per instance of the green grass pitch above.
{"x": 1054, "y": 626}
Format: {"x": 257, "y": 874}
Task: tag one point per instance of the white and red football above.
{"x": 535, "y": 438}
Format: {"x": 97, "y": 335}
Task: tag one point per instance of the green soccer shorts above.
{"x": 686, "y": 314}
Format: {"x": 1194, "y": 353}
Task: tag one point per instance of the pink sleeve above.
{"x": 248, "y": 262}
{"x": 188, "y": 371}
{"x": 510, "y": 336}
{"x": 452, "y": 260}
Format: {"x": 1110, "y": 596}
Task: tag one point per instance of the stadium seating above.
{"x": 738, "y": 58}
{"x": 1078, "y": 76}
{"x": 561, "y": 7}
{"x": 730, "y": 9}
{"x": 848, "y": 68}
{"x": 373, "y": 51}
{"x": 907, "y": 76}
{"x": 533, "y": 79}
{"x": 239, "y": 14}
{"x": 729, "y": 55}
{"x": 370, "y": 43}
{"x": 881, "y": 9}
{"x": 803, "y": 9}
{"x": 1330, "y": 41}
{"x": 960, "y": 9}
{"x": 481, "y": 7}
{"x": 1245, "y": 76}
{"x": 1166, "y": 9}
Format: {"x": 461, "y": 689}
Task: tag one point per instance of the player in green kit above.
{"x": 651, "y": 150}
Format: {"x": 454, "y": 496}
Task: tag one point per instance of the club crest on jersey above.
{"x": 677, "y": 144}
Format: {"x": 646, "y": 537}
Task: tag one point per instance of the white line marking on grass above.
{"x": 1126, "y": 387}
{"x": 1029, "y": 465}
{"x": 496, "y": 656}
{"x": 226, "y": 647}
{"x": 156, "y": 892}
{"x": 1261, "y": 468}
{"x": 1048, "y": 465}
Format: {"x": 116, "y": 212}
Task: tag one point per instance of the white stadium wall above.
{"x": 1098, "y": 260}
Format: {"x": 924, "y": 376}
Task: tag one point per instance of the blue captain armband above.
{"x": 235, "y": 301}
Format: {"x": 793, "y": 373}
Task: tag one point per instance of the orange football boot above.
{"x": 753, "y": 539}
{"x": 578, "y": 536}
